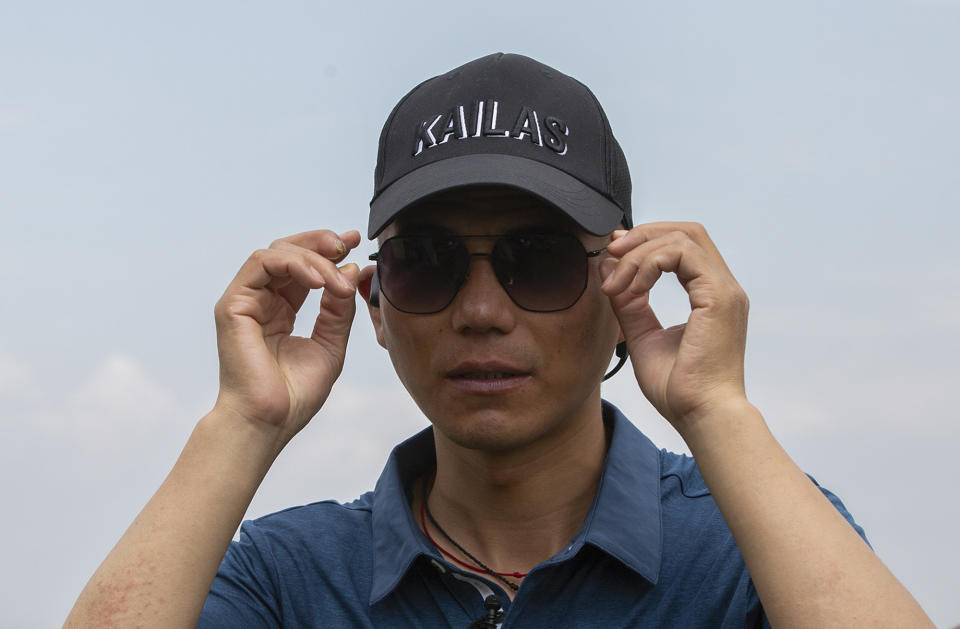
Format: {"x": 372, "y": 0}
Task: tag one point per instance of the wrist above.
{"x": 718, "y": 420}
{"x": 256, "y": 443}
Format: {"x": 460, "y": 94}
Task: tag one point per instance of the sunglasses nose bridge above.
{"x": 470, "y": 273}
{"x": 481, "y": 302}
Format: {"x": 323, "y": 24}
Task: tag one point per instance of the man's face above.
{"x": 488, "y": 374}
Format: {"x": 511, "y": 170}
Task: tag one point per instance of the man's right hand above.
{"x": 267, "y": 376}
{"x": 271, "y": 385}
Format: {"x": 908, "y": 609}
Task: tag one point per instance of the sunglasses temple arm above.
{"x": 622, "y": 355}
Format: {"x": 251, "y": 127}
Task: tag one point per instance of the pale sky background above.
{"x": 147, "y": 149}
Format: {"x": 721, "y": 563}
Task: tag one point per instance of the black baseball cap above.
{"x": 504, "y": 120}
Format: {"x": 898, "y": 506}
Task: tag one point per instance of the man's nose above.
{"x": 482, "y": 304}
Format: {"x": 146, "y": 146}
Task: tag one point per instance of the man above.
{"x": 509, "y": 269}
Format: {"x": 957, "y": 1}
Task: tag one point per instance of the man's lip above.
{"x": 469, "y": 368}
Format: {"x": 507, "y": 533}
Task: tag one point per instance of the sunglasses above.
{"x": 540, "y": 272}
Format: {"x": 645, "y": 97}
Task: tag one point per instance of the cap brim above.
{"x": 594, "y": 212}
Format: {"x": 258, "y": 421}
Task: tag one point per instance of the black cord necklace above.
{"x": 433, "y": 521}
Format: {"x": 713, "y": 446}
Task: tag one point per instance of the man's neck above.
{"x": 514, "y": 510}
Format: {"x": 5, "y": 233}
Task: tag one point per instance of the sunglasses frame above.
{"x": 375, "y": 257}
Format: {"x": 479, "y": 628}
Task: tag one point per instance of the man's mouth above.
{"x": 486, "y": 369}
{"x": 485, "y": 375}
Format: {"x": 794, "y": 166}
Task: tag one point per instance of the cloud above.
{"x": 342, "y": 451}
{"x": 122, "y": 416}
{"x": 120, "y": 387}
{"x": 118, "y": 406}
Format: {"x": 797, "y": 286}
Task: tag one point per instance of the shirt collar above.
{"x": 624, "y": 520}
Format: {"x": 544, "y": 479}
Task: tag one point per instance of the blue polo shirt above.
{"x": 654, "y": 551}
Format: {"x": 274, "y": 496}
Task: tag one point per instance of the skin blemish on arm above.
{"x": 120, "y": 600}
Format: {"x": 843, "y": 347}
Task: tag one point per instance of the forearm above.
{"x": 810, "y": 567}
{"x": 160, "y": 571}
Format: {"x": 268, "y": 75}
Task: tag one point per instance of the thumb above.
{"x": 633, "y": 310}
{"x": 607, "y": 266}
{"x": 336, "y": 314}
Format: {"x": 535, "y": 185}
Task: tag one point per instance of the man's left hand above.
{"x": 688, "y": 369}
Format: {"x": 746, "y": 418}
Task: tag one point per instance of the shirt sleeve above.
{"x": 842, "y": 509}
{"x": 243, "y": 593}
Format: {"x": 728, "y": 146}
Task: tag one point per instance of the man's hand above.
{"x": 790, "y": 535}
{"x": 687, "y": 369}
{"x": 268, "y": 376}
{"x": 271, "y": 384}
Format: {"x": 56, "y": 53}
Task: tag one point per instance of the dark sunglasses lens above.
{"x": 421, "y": 275}
{"x": 541, "y": 272}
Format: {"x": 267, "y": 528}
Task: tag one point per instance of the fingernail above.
{"x": 619, "y": 233}
{"x": 341, "y": 248}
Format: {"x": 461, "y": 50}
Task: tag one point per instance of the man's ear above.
{"x": 368, "y": 287}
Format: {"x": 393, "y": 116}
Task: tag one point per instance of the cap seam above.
{"x": 381, "y": 150}
{"x": 607, "y": 171}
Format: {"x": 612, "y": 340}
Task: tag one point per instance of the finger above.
{"x": 271, "y": 266}
{"x": 627, "y": 239}
{"x": 636, "y": 317}
{"x": 332, "y": 326}
{"x": 275, "y": 268}
{"x": 364, "y": 281}
{"x": 366, "y": 273}
{"x": 624, "y": 240}
{"x": 629, "y": 302}
{"x": 295, "y": 293}
{"x": 641, "y": 267}
{"x": 317, "y": 248}
{"x": 325, "y": 242}
{"x": 248, "y": 295}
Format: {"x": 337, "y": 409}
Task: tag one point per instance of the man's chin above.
{"x": 496, "y": 432}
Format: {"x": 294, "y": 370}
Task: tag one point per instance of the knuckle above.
{"x": 693, "y": 229}
{"x": 225, "y": 308}
{"x": 735, "y": 298}
{"x": 313, "y": 260}
{"x": 666, "y": 257}
{"x": 741, "y": 297}
{"x": 692, "y": 250}
{"x": 327, "y": 238}
{"x": 229, "y": 308}
{"x": 678, "y": 236}
{"x": 631, "y": 263}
